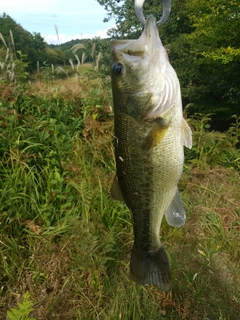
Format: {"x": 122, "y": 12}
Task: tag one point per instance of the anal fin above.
{"x": 175, "y": 214}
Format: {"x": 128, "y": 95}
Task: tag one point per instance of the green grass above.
{"x": 67, "y": 243}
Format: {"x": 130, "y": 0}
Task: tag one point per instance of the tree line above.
{"x": 38, "y": 53}
{"x": 17, "y": 39}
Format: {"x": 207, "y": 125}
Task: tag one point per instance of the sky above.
{"x": 75, "y": 19}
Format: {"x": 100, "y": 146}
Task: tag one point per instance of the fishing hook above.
{"x": 139, "y": 11}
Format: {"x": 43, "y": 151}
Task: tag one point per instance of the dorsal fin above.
{"x": 116, "y": 192}
{"x": 186, "y": 134}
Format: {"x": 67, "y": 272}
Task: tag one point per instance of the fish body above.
{"x": 149, "y": 134}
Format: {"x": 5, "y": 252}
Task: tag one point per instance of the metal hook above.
{"x": 140, "y": 16}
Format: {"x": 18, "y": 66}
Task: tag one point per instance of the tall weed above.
{"x": 14, "y": 66}
{"x": 212, "y": 147}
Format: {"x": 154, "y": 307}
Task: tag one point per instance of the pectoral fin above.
{"x": 156, "y": 134}
{"x": 186, "y": 134}
{"x": 175, "y": 214}
{"x": 116, "y": 192}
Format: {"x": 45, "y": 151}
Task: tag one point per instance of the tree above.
{"x": 202, "y": 39}
{"x": 214, "y": 45}
{"x": 123, "y": 12}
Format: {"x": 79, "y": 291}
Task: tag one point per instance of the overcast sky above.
{"x": 75, "y": 19}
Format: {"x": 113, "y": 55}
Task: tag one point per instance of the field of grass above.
{"x": 63, "y": 239}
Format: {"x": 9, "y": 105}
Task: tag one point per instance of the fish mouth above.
{"x": 137, "y": 48}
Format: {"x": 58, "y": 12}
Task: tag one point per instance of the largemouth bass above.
{"x": 150, "y": 133}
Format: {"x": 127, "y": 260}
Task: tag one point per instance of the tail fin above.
{"x": 151, "y": 268}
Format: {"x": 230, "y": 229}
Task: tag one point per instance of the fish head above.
{"x": 143, "y": 81}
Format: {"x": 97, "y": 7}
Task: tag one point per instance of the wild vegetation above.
{"x": 16, "y": 39}
{"x": 65, "y": 244}
{"x": 43, "y": 58}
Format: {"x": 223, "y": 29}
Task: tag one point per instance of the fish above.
{"x": 150, "y": 133}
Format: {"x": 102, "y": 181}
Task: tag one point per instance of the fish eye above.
{"x": 117, "y": 68}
